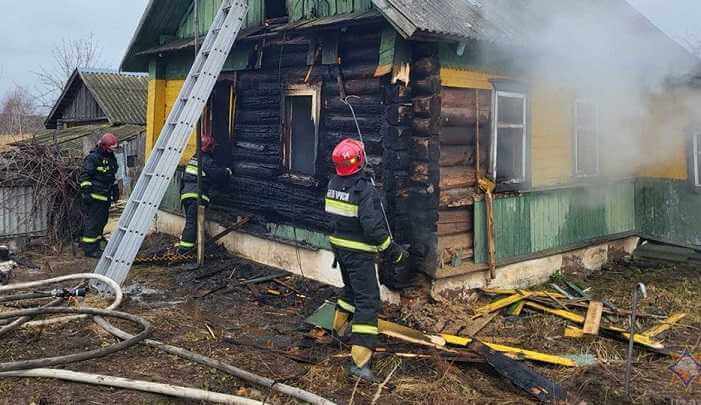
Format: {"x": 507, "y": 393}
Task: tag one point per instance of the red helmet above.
{"x": 207, "y": 143}
{"x": 349, "y": 157}
{"x": 108, "y": 142}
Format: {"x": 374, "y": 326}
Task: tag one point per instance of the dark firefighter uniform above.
{"x": 359, "y": 235}
{"x": 99, "y": 189}
{"x": 211, "y": 175}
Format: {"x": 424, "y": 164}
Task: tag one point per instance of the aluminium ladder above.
{"x": 146, "y": 197}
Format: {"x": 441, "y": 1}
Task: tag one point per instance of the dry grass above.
{"x": 7, "y": 139}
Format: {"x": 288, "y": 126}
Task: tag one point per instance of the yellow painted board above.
{"x": 664, "y": 325}
{"x": 499, "y": 304}
{"x": 520, "y": 353}
{"x": 573, "y": 332}
{"x": 543, "y": 294}
{"x": 559, "y": 312}
{"x": 466, "y": 79}
{"x": 516, "y": 309}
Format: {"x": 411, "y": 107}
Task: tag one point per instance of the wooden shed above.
{"x": 442, "y": 103}
{"x": 94, "y": 102}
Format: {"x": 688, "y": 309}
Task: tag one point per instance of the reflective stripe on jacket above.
{"x": 356, "y": 215}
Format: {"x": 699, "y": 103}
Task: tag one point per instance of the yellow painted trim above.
{"x": 466, "y": 79}
{"x": 155, "y": 113}
{"x": 664, "y": 325}
{"x": 500, "y": 303}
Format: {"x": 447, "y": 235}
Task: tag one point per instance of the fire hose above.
{"x": 35, "y": 368}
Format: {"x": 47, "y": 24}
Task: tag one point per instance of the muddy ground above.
{"x": 260, "y": 327}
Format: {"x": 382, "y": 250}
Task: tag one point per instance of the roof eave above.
{"x": 128, "y": 64}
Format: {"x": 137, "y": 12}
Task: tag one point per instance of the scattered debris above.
{"x": 593, "y": 318}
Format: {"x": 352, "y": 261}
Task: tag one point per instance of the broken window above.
{"x": 586, "y": 139}
{"x": 509, "y": 138}
{"x": 300, "y": 130}
{"x": 275, "y": 9}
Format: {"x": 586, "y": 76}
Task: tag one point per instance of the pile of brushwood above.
{"x": 52, "y": 178}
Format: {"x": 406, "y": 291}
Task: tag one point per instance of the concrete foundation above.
{"x": 536, "y": 271}
{"x": 313, "y": 264}
{"x": 317, "y": 264}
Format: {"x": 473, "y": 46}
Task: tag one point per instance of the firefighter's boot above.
{"x": 340, "y": 322}
{"x": 360, "y": 366}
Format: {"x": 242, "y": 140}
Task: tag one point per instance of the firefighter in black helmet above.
{"x": 359, "y": 234}
{"x": 99, "y": 189}
{"x": 212, "y": 175}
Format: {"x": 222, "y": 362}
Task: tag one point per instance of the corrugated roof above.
{"x": 121, "y": 96}
{"x": 71, "y": 139}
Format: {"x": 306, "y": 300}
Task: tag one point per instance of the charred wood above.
{"x": 457, "y": 177}
{"x": 399, "y": 114}
{"x": 355, "y": 87}
{"x": 458, "y": 197}
{"x": 427, "y": 107}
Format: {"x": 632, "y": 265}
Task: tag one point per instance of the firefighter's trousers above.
{"x": 96, "y": 214}
{"x": 361, "y": 295}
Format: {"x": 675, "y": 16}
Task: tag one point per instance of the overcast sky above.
{"x": 29, "y": 30}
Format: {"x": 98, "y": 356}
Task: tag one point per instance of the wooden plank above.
{"x": 459, "y": 197}
{"x": 499, "y": 304}
{"x": 528, "y": 380}
{"x": 465, "y": 79}
{"x": 454, "y": 216}
{"x": 458, "y": 136}
{"x": 663, "y": 325}
{"x": 477, "y": 325}
{"x": 454, "y": 228}
{"x": 593, "y": 318}
{"x": 455, "y": 155}
{"x": 457, "y": 177}
{"x": 455, "y": 244}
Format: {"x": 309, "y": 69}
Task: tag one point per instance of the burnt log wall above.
{"x": 463, "y": 110}
{"x": 424, "y": 151}
{"x": 259, "y": 184}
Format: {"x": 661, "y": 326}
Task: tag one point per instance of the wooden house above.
{"x": 94, "y": 102}
{"x": 441, "y": 104}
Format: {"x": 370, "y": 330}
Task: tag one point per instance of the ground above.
{"x": 260, "y": 327}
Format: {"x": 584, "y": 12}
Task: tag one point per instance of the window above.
{"x": 586, "y": 139}
{"x": 301, "y": 129}
{"x": 509, "y": 138}
{"x": 695, "y": 161}
{"x": 275, "y": 9}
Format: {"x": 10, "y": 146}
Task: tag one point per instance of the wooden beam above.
{"x": 593, "y": 318}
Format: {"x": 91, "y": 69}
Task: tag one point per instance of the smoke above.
{"x": 606, "y": 52}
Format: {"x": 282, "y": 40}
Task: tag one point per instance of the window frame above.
{"x": 296, "y": 90}
{"x": 519, "y": 183}
{"x": 695, "y": 161}
{"x": 576, "y": 128}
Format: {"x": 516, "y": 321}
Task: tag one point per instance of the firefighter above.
{"x": 359, "y": 234}
{"x": 99, "y": 189}
{"x": 212, "y": 175}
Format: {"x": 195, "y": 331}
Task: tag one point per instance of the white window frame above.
{"x": 301, "y": 90}
{"x": 696, "y": 159}
{"x": 496, "y": 126}
{"x": 578, "y": 172}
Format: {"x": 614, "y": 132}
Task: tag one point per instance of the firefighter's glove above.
{"x": 115, "y": 193}
{"x": 396, "y": 254}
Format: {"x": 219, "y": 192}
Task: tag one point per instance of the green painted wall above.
{"x": 207, "y": 9}
{"x": 669, "y": 211}
{"x": 298, "y": 9}
{"x": 544, "y": 220}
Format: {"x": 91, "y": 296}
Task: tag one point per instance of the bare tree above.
{"x": 18, "y": 112}
{"x": 67, "y": 55}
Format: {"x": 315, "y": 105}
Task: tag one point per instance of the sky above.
{"x": 29, "y": 30}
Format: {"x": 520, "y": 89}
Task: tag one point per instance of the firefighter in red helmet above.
{"x": 99, "y": 189}
{"x": 212, "y": 174}
{"x": 359, "y": 234}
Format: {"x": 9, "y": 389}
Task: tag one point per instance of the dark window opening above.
{"x": 275, "y": 9}
{"x": 509, "y": 139}
{"x": 131, "y": 161}
{"x": 218, "y": 120}
{"x": 300, "y": 126}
